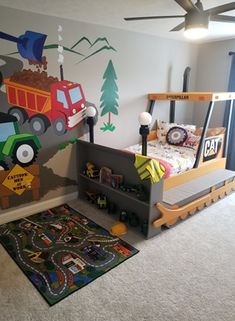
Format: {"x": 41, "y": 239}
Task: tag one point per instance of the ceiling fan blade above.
{"x": 152, "y": 17}
{"x": 187, "y": 5}
{"x": 179, "y": 27}
{"x": 221, "y": 9}
{"x": 223, "y": 18}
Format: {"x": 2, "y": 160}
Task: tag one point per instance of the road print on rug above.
{"x": 60, "y": 250}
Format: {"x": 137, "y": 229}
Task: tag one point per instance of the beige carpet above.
{"x": 185, "y": 274}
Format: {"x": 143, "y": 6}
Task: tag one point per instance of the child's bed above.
{"x": 179, "y": 158}
{"x": 195, "y": 175}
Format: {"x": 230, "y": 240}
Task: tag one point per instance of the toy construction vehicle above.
{"x": 91, "y": 171}
{"x": 91, "y": 196}
{"x": 97, "y": 198}
{"x": 138, "y": 189}
{"x": 101, "y": 201}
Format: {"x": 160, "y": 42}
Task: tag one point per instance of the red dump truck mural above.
{"x": 63, "y": 106}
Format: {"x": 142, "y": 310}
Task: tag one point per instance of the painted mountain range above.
{"x": 86, "y": 48}
{"x": 83, "y": 47}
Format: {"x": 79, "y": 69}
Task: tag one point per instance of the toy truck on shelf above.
{"x": 63, "y": 106}
{"x": 97, "y": 198}
{"x": 22, "y": 148}
{"x": 91, "y": 171}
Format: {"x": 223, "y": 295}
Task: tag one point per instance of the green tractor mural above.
{"x": 21, "y": 148}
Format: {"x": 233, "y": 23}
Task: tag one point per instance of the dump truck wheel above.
{"x": 59, "y": 126}
{"x": 39, "y": 124}
{"x": 3, "y": 166}
{"x": 24, "y": 154}
{"x": 18, "y": 113}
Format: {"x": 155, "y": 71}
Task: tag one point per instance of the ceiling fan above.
{"x": 196, "y": 17}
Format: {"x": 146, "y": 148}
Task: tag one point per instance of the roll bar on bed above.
{"x": 212, "y": 98}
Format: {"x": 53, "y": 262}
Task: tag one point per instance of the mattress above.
{"x": 175, "y": 159}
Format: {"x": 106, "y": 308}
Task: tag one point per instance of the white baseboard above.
{"x": 35, "y": 208}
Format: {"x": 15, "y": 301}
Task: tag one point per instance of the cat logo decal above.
{"x": 212, "y": 147}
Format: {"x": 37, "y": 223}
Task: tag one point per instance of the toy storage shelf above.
{"x": 111, "y": 189}
{"x": 121, "y": 163}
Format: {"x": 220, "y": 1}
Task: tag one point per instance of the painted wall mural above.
{"x": 42, "y": 115}
{"x": 45, "y": 100}
{"x": 83, "y": 47}
{"x": 109, "y": 97}
{"x": 29, "y": 45}
{"x": 22, "y": 148}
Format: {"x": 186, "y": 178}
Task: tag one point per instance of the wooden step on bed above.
{"x": 185, "y": 199}
{"x": 187, "y": 192}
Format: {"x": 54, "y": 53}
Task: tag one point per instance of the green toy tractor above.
{"x": 22, "y": 148}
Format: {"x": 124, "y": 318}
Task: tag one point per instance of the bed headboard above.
{"x": 211, "y": 98}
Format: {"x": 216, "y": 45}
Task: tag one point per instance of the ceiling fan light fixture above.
{"x": 196, "y": 25}
{"x": 196, "y": 32}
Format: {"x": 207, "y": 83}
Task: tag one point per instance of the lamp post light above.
{"x": 90, "y": 113}
{"x": 145, "y": 120}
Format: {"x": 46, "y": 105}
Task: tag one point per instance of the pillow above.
{"x": 163, "y": 128}
{"x": 152, "y": 135}
{"x": 176, "y": 136}
{"x": 192, "y": 141}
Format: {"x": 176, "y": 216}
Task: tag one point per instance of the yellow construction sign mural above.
{"x": 18, "y": 180}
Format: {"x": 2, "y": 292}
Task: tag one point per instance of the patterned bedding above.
{"x": 175, "y": 159}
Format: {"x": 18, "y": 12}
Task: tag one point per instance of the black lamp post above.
{"x": 90, "y": 113}
{"x": 144, "y": 120}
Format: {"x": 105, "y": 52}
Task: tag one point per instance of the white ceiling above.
{"x": 111, "y": 13}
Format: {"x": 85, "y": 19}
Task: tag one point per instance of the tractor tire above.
{"x": 19, "y": 113}
{"x": 24, "y": 154}
{"x": 3, "y": 166}
{"x": 59, "y": 126}
{"x": 38, "y": 124}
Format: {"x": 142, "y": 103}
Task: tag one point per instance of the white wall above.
{"x": 213, "y": 75}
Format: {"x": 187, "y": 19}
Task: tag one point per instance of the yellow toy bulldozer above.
{"x": 91, "y": 171}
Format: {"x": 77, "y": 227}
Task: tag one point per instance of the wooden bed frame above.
{"x": 175, "y": 198}
{"x": 170, "y": 215}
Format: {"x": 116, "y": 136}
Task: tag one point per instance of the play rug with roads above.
{"x": 60, "y": 250}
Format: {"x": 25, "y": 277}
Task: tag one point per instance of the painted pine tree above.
{"x": 109, "y": 97}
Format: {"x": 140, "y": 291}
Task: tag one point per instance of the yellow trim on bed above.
{"x": 192, "y": 96}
